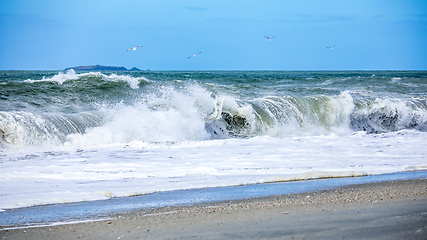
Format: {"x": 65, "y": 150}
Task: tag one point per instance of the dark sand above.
{"x": 383, "y": 210}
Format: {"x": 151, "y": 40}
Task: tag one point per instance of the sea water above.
{"x": 81, "y": 136}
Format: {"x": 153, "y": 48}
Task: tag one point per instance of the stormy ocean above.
{"x": 80, "y": 136}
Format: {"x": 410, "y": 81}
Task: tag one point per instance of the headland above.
{"x": 101, "y": 68}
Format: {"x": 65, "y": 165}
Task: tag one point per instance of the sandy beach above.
{"x": 383, "y": 210}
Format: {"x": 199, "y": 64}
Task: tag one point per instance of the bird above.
{"x": 194, "y": 55}
{"x": 134, "y": 48}
{"x": 331, "y": 47}
{"x": 269, "y": 38}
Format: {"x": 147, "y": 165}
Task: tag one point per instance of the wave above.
{"x": 318, "y": 115}
{"x": 70, "y": 75}
{"x": 70, "y": 92}
{"x": 388, "y": 115}
{"x": 192, "y": 113}
{"x": 26, "y": 129}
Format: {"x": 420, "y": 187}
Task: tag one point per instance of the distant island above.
{"x": 101, "y": 68}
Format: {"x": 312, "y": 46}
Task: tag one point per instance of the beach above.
{"x": 213, "y": 120}
{"x": 381, "y": 210}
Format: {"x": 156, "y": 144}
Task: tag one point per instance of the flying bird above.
{"x": 134, "y": 48}
{"x": 269, "y": 38}
{"x": 194, "y": 55}
{"x": 331, "y": 47}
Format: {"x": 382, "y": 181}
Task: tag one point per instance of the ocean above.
{"x": 69, "y": 136}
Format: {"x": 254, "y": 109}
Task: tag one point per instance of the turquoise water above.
{"x": 83, "y": 136}
{"x": 48, "y": 105}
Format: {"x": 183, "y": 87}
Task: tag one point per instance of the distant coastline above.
{"x": 101, "y": 68}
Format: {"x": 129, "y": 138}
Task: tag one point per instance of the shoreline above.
{"x": 384, "y": 210}
{"x": 57, "y": 214}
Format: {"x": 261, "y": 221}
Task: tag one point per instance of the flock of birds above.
{"x": 134, "y": 48}
{"x": 194, "y": 55}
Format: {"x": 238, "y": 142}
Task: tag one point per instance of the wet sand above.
{"x": 383, "y": 210}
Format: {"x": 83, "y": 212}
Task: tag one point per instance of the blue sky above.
{"x": 369, "y": 34}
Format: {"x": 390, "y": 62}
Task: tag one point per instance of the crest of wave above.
{"x": 168, "y": 116}
{"x": 72, "y": 75}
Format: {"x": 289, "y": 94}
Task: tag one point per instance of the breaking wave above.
{"x": 388, "y": 115}
{"x": 24, "y": 128}
{"x": 196, "y": 114}
{"x": 72, "y": 75}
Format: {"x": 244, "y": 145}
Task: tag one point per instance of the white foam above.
{"x": 171, "y": 117}
{"x": 37, "y": 177}
{"x": 59, "y": 78}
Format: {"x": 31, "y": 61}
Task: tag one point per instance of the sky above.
{"x": 367, "y": 34}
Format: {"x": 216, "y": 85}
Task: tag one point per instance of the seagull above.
{"x": 269, "y": 38}
{"x": 194, "y": 55}
{"x": 331, "y": 47}
{"x": 134, "y": 48}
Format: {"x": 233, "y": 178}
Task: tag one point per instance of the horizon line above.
{"x": 201, "y": 70}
